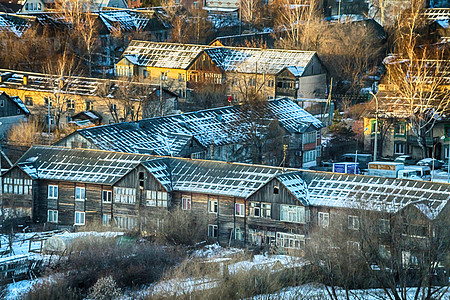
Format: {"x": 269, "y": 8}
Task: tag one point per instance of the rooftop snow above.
{"x": 82, "y": 165}
{"x": 14, "y": 24}
{"x": 19, "y": 103}
{"x": 233, "y": 59}
{"x": 220, "y": 126}
{"x": 210, "y": 177}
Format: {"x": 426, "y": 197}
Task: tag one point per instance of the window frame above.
{"x": 351, "y": 225}
{"x": 78, "y": 188}
{"x": 53, "y": 188}
{"x": 321, "y": 216}
{"x": 239, "y": 212}
{"x": 213, "y": 206}
{"x": 186, "y": 202}
{"x": 107, "y": 193}
{"x": 52, "y": 212}
{"x": 213, "y": 231}
{"x": 288, "y": 210}
{"x": 79, "y": 213}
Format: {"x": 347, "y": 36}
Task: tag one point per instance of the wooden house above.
{"x": 184, "y": 66}
{"x": 12, "y": 111}
{"x": 218, "y": 134}
{"x": 240, "y": 204}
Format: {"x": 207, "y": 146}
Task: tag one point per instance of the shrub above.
{"x": 52, "y": 290}
{"x": 105, "y": 289}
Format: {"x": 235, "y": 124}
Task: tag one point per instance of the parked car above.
{"x": 406, "y": 159}
{"x": 429, "y": 163}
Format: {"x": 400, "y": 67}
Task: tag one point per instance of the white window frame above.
{"x": 384, "y": 225}
{"x": 352, "y": 245}
{"x": 186, "y": 203}
{"x": 353, "y": 222}
{"x": 323, "y": 219}
{"x": 81, "y": 195}
{"x": 293, "y": 214}
{"x": 239, "y": 210}
{"x": 213, "y": 206}
{"x": 108, "y": 196}
{"x": 81, "y": 218}
{"x": 290, "y": 240}
{"x": 124, "y": 195}
{"x": 213, "y": 231}
{"x": 52, "y": 191}
{"x": 238, "y": 234}
{"x": 52, "y": 216}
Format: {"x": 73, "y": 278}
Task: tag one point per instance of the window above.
{"x": 141, "y": 180}
{"x": 70, "y": 104}
{"x": 124, "y": 195}
{"x": 164, "y": 76}
{"x": 385, "y": 251}
{"x": 384, "y": 225}
{"x": 238, "y": 234}
{"x": 351, "y": 245}
{"x": 400, "y": 129}
{"x": 260, "y": 209}
{"x": 399, "y": 148}
{"x": 324, "y": 219}
{"x": 239, "y": 210}
{"x": 353, "y": 222}
{"x": 270, "y": 83}
{"x": 80, "y": 193}
{"x": 309, "y": 156}
{"x": 290, "y": 241}
{"x": 106, "y": 219}
{"x": 252, "y": 81}
{"x": 89, "y": 105}
{"x": 198, "y": 155}
{"x": 154, "y": 198}
{"x": 28, "y": 101}
{"x": 186, "y": 203}
{"x": 180, "y": 77}
{"x": 48, "y": 102}
{"x": 52, "y": 216}
{"x": 309, "y": 138}
{"x": 126, "y": 222}
{"x": 52, "y": 192}
{"x": 292, "y": 213}
{"x": 212, "y": 231}
{"x": 2, "y": 103}
{"x": 106, "y": 196}
{"x": 79, "y": 218}
{"x": 213, "y": 206}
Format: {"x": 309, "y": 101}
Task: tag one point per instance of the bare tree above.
{"x": 416, "y": 78}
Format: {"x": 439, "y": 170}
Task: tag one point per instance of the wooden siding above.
{"x": 13, "y": 204}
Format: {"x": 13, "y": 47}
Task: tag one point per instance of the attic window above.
{"x": 141, "y": 180}
{"x": 276, "y": 189}
{"x": 2, "y": 103}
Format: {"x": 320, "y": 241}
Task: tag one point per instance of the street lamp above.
{"x": 376, "y": 127}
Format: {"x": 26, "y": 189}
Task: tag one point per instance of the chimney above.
{"x": 25, "y": 80}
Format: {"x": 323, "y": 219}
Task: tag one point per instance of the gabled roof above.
{"x": 124, "y": 20}
{"x": 71, "y": 84}
{"x": 295, "y": 185}
{"x": 373, "y": 193}
{"x": 162, "y": 55}
{"x": 255, "y": 60}
{"x": 14, "y": 24}
{"x": 81, "y": 165}
{"x": 229, "y": 59}
{"x": 219, "y": 126}
{"x": 20, "y": 104}
{"x": 210, "y": 177}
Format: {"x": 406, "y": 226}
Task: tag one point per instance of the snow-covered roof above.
{"x": 374, "y": 193}
{"x": 210, "y": 177}
{"x": 81, "y": 165}
{"x": 71, "y": 84}
{"x": 232, "y": 59}
{"x": 219, "y": 126}
{"x": 437, "y": 13}
{"x": 13, "y": 24}
{"x": 162, "y": 55}
{"x": 128, "y": 20}
{"x": 296, "y": 185}
{"x": 256, "y": 60}
{"x": 19, "y": 103}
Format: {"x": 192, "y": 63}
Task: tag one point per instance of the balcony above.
{"x": 429, "y": 141}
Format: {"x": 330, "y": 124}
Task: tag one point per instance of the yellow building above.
{"x": 179, "y": 67}
{"x": 61, "y": 98}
